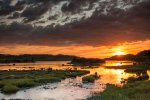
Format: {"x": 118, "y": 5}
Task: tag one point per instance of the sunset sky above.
{"x": 87, "y": 28}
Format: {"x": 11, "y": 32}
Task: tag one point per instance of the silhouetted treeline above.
{"x": 143, "y": 56}
{"x": 139, "y": 57}
{"x": 32, "y": 58}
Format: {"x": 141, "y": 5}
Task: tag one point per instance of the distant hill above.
{"x": 141, "y": 56}
{"x": 32, "y": 58}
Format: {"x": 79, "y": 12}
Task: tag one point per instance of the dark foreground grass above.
{"x": 138, "y": 68}
{"x": 131, "y": 91}
{"x": 12, "y": 81}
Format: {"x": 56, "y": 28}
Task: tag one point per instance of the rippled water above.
{"x": 68, "y": 89}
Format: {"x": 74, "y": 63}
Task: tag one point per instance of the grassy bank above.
{"x": 130, "y": 91}
{"x": 119, "y": 67}
{"x": 138, "y": 68}
{"x": 131, "y": 68}
{"x": 12, "y": 81}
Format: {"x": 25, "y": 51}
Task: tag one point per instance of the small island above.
{"x": 87, "y": 61}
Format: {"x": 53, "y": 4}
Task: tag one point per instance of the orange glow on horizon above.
{"x": 82, "y": 51}
{"x": 119, "y": 53}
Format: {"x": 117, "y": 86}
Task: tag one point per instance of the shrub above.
{"x": 1, "y": 85}
{"x": 87, "y": 79}
{"x": 9, "y": 88}
{"x": 131, "y": 79}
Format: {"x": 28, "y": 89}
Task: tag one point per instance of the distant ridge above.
{"x": 140, "y": 57}
{"x": 6, "y": 58}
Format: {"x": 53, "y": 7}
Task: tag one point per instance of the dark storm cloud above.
{"x": 6, "y": 8}
{"x": 75, "y": 6}
{"x": 115, "y": 27}
{"x": 15, "y": 33}
{"x": 15, "y": 15}
{"x": 38, "y": 7}
{"x": 33, "y": 13}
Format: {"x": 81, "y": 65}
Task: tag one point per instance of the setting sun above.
{"x": 119, "y": 53}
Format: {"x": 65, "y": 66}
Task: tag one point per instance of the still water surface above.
{"x": 68, "y": 89}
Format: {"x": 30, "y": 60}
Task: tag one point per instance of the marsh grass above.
{"x": 25, "y": 83}
{"x": 131, "y": 68}
{"x": 48, "y": 80}
{"x": 134, "y": 79}
{"x": 12, "y": 81}
{"x": 130, "y": 91}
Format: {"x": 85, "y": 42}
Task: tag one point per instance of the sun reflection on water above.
{"x": 112, "y": 76}
{"x": 118, "y": 64}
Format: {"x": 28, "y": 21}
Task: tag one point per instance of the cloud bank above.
{"x": 73, "y": 22}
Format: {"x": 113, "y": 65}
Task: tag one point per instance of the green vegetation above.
{"x": 132, "y": 91}
{"x": 10, "y": 88}
{"x": 131, "y": 68}
{"x": 48, "y": 80}
{"x": 87, "y": 61}
{"x": 12, "y": 81}
{"x": 90, "y": 78}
